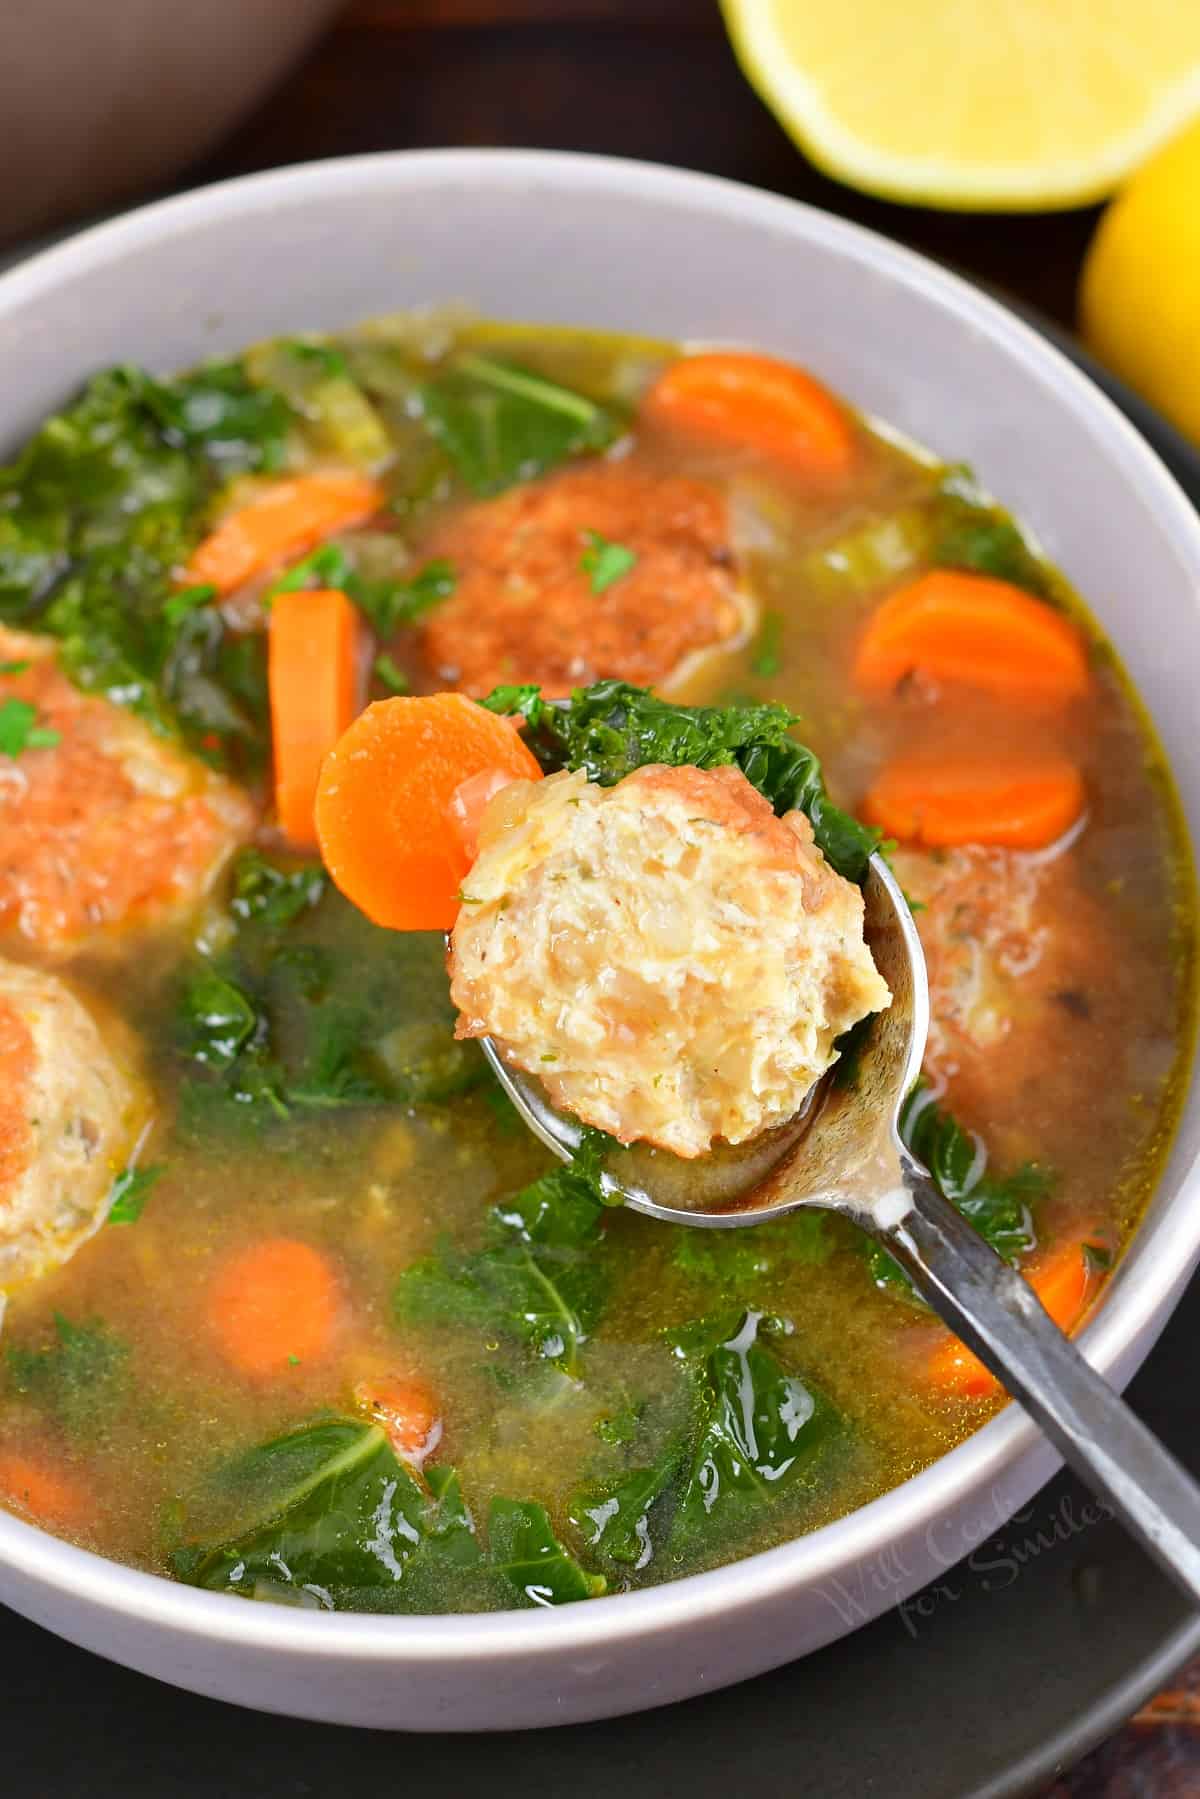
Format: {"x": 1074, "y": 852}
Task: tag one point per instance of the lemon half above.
{"x": 974, "y": 104}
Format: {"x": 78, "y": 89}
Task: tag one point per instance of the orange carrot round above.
{"x": 383, "y": 799}
{"x": 738, "y": 397}
{"x": 282, "y": 520}
{"x": 408, "y": 1413}
{"x": 49, "y": 1495}
{"x": 958, "y": 627}
{"x": 314, "y": 677}
{"x": 1062, "y": 1281}
{"x": 1014, "y": 802}
{"x": 272, "y": 1306}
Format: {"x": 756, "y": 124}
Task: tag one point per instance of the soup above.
{"x": 296, "y": 1309}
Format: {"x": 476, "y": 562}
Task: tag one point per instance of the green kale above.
{"x": 325, "y": 1516}
{"x": 753, "y": 1430}
{"x": 78, "y": 1377}
{"x": 605, "y": 562}
{"x": 129, "y": 1192}
{"x": 523, "y": 1547}
{"x": 621, "y": 1424}
{"x": 97, "y": 514}
{"x": 272, "y": 895}
{"x": 281, "y": 1021}
{"x": 218, "y": 410}
{"x": 20, "y": 731}
{"x": 611, "y": 728}
{"x": 757, "y": 1428}
{"x": 500, "y": 424}
{"x": 972, "y": 534}
{"x": 537, "y": 1278}
{"x": 613, "y": 1517}
{"x": 387, "y": 604}
{"x": 737, "y": 1262}
{"x": 999, "y": 1207}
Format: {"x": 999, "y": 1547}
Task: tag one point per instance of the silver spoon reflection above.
{"x": 843, "y": 1153}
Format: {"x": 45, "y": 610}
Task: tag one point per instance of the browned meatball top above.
{"x": 525, "y": 608}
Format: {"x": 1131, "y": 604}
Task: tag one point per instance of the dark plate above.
{"x": 986, "y": 1685}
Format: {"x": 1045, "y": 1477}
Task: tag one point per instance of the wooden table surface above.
{"x": 656, "y": 79}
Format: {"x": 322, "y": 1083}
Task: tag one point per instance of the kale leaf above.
{"x": 281, "y": 1021}
{"x": 387, "y": 604}
{"x": 524, "y": 1549}
{"x": 326, "y": 1516}
{"x": 274, "y": 896}
{"x": 613, "y": 1517}
{"x": 77, "y": 1377}
{"x": 757, "y": 1428}
{"x": 999, "y": 1206}
{"x": 500, "y": 424}
{"x": 217, "y": 409}
{"x": 753, "y": 1429}
{"x": 97, "y": 514}
{"x": 611, "y": 728}
{"x": 536, "y": 1278}
{"x": 736, "y": 1262}
{"x": 974, "y": 535}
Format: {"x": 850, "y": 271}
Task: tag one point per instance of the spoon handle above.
{"x": 1000, "y": 1318}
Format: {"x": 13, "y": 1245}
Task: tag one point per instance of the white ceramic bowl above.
{"x": 635, "y": 248}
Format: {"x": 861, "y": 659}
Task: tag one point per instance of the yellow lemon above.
{"x": 1139, "y": 300}
{"x": 975, "y": 104}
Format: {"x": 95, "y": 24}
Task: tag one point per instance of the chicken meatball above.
{"x": 673, "y": 961}
{"x": 530, "y": 605}
{"x": 71, "y": 1109}
{"x": 109, "y": 825}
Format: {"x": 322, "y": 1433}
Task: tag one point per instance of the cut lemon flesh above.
{"x": 974, "y": 104}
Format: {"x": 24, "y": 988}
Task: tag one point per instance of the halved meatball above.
{"x": 670, "y": 959}
{"x": 1013, "y": 942}
{"x": 71, "y": 1109}
{"x": 526, "y": 609}
{"x": 109, "y": 826}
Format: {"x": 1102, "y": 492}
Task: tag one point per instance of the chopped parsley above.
{"x": 129, "y": 1193}
{"x": 388, "y": 671}
{"x": 605, "y": 562}
{"x": 766, "y": 659}
{"x": 19, "y": 729}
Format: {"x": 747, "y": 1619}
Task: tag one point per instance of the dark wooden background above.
{"x": 657, "y": 79}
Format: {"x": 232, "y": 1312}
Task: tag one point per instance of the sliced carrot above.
{"x": 48, "y": 1495}
{"x": 1019, "y": 802}
{"x": 383, "y": 799}
{"x": 959, "y": 627}
{"x": 408, "y": 1413}
{"x": 1062, "y": 1282}
{"x": 738, "y": 397}
{"x": 272, "y": 1306}
{"x": 282, "y": 520}
{"x": 314, "y": 675}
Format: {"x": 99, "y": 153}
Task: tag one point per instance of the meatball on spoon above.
{"x": 845, "y": 1155}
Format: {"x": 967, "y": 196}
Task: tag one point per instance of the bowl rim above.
{"x": 1152, "y": 1272}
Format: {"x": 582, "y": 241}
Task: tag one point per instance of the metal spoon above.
{"x": 844, "y": 1154}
